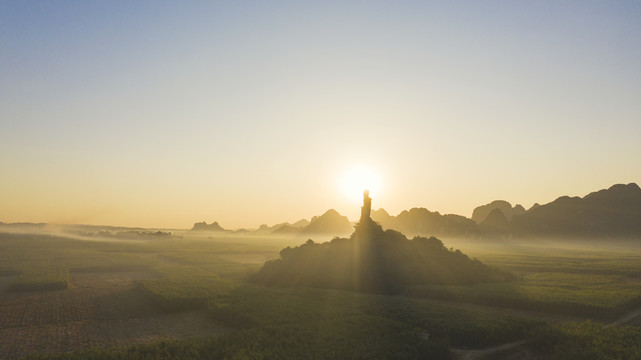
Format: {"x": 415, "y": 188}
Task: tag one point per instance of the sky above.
{"x": 162, "y": 114}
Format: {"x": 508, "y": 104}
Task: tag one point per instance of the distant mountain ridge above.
{"x": 420, "y": 221}
{"x": 615, "y": 211}
{"x": 203, "y": 226}
{"x": 611, "y": 212}
{"x": 283, "y": 227}
{"x": 481, "y": 213}
{"x": 330, "y": 223}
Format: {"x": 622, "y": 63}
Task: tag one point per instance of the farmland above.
{"x": 598, "y": 283}
{"x": 64, "y": 296}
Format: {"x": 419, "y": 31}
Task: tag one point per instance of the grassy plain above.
{"x": 597, "y": 280}
{"x": 41, "y": 278}
{"x": 186, "y": 297}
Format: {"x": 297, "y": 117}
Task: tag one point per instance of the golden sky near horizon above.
{"x": 162, "y": 115}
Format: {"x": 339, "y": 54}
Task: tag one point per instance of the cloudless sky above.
{"x": 161, "y": 114}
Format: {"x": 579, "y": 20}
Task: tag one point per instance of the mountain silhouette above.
{"x": 495, "y": 223}
{"x": 301, "y": 223}
{"x": 386, "y": 220}
{"x": 612, "y": 212}
{"x": 283, "y": 227}
{"x": 331, "y": 222}
{"x": 203, "y": 226}
{"x": 420, "y": 221}
{"x": 480, "y": 213}
{"x": 287, "y": 230}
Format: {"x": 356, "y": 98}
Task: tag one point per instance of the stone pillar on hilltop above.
{"x": 367, "y": 206}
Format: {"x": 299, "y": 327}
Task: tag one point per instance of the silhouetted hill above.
{"x": 374, "y": 260}
{"x": 287, "y": 230}
{"x": 264, "y": 229}
{"x": 480, "y": 213}
{"x": 301, "y": 223}
{"x": 203, "y": 226}
{"x": 420, "y": 221}
{"x": 384, "y": 219}
{"x": 495, "y": 223}
{"x": 283, "y": 227}
{"x": 612, "y": 212}
{"x": 331, "y": 222}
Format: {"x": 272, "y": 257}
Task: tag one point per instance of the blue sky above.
{"x": 164, "y": 113}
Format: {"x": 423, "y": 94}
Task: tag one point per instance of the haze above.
{"x": 160, "y": 115}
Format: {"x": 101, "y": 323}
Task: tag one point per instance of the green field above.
{"x": 578, "y": 294}
{"x": 206, "y": 276}
{"x": 41, "y": 278}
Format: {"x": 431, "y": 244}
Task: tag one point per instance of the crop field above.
{"x": 600, "y": 283}
{"x": 99, "y": 310}
{"x": 40, "y": 278}
{"x": 621, "y": 260}
{"x": 181, "y": 295}
{"x": 591, "y": 295}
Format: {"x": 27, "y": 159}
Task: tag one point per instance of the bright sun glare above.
{"x": 357, "y": 179}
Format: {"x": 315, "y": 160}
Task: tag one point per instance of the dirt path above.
{"x": 625, "y": 318}
{"x": 472, "y": 354}
{"x": 463, "y": 354}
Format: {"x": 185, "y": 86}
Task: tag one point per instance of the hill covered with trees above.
{"x": 375, "y": 260}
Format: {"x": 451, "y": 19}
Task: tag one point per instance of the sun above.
{"x": 357, "y": 179}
